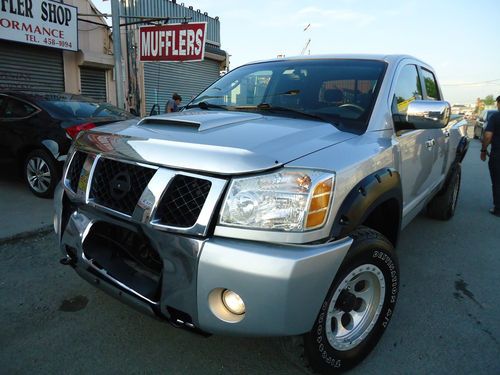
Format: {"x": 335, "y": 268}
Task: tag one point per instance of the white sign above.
{"x": 41, "y": 22}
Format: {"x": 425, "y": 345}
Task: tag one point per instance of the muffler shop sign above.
{"x": 41, "y": 22}
{"x": 176, "y": 42}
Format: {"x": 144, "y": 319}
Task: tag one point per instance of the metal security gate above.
{"x": 93, "y": 83}
{"x": 162, "y": 79}
{"x": 27, "y": 67}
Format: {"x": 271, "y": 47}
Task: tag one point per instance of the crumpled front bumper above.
{"x": 282, "y": 285}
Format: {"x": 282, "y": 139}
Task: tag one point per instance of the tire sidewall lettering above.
{"x": 378, "y": 252}
{"x": 394, "y": 282}
{"x": 391, "y": 276}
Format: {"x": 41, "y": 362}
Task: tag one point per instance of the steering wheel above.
{"x": 352, "y": 106}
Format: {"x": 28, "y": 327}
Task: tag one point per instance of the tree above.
{"x": 489, "y": 100}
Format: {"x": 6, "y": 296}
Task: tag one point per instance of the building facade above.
{"x": 46, "y": 66}
{"x": 150, "y": 84}
{"x": 88, "y": 67}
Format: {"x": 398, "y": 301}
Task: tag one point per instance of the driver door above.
{"x": 417, "y": 153}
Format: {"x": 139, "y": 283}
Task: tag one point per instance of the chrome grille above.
{"x": 118, "y": 185}
{"x": 75, "y": 170}
{"x": 183, "y": 201}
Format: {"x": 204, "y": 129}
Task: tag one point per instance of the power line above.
{"x": 490, "y": 82}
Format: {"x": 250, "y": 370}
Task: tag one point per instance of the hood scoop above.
{"x": 170, "y": 123}
{"x": 199, "y": 120}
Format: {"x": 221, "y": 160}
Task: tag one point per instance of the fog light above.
{"x": 233, "y": 302}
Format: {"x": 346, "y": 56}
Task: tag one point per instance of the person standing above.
{"x": 492, "y": 136}
{"x": 173, "y": 104}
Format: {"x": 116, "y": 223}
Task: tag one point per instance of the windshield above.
{"x": 64, "y": 106}
{"x": 341, "y": 92}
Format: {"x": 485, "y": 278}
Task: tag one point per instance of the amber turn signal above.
{"x": 320, "y": 203}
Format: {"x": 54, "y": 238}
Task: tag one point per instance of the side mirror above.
{"x": 428, "y": 114}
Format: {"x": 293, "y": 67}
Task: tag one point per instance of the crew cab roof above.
{"x": 392, "y": 59}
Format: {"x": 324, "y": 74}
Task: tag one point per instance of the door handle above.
{"x": 430, "y": 143}
{"x": 446, "y": 133}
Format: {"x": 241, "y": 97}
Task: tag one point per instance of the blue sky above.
{"x": 460, "y": 39}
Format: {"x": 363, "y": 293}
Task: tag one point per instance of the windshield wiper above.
{"x": 324, "y": 118}
{"x": 205, "y": 105}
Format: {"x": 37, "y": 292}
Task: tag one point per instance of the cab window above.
{"x": 431, "y": 86}
{"x": 408, "y": 89}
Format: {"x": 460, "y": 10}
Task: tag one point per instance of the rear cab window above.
{"x": 431, "y": 87}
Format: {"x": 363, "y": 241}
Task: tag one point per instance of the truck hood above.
{"x": 222, "y": 142}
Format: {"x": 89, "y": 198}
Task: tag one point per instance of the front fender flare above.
{"x": 365, "y": 197}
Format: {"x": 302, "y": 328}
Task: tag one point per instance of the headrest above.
{"x": 333, "y": 95}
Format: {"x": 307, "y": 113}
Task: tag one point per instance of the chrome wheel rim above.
{"x": 38, "y": 174}
{"x": 355, "y": 307}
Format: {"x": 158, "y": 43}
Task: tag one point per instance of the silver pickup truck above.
{"x": 270, "y": 205}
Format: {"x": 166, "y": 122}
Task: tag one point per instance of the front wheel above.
{"x": 358, "y": 306}
{"x": 41, "y": 173}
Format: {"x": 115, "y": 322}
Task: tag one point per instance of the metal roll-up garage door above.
{"x": 162, "y": 79}
{"x": 27, "y": 67}
{"x": 93, "y": 82}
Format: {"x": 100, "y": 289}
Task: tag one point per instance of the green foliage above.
{"x": 489, "y": 100}
{"x": 431, "y": 88}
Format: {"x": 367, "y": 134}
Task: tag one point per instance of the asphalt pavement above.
{"x": 446, "y": 320}
{"x": 20, "y": 210}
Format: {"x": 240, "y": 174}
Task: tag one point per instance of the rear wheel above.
{"x": 358, "y": 306}
{"x": 41, "y": 173}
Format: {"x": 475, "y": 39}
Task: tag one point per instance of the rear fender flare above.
{"x": 463, "y": 146}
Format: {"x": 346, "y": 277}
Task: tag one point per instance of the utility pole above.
{"x": 117, "y": 53}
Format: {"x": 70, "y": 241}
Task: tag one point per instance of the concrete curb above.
{"x": 25, "y": 235}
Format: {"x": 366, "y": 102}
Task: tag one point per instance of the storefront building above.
{"x": 49, "y": 46}
{"x": 67, "y": 46}
{"x": 151, "y": 84}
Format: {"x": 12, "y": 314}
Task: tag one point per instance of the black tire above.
{"x": 41, "y": 173}
{"x": 444, "y": 204}
{"x": 373, "y": 256}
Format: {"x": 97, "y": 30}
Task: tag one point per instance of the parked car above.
{"x": 482, "y": 122}
{"x": 36, "y": 131}
{"x": 271, "y": 205}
